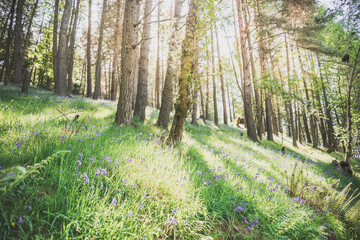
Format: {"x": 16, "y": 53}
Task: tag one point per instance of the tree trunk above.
{"x": 142, "y": 92}
{"x": 123, "y": 114}
{"x": 207, "y": 115}
{"x": 221, "y": 77}
{"x": 202, "y": 103}
{"x": 157, "y": 71}
{"x": 171, "y": 71}
{"x": 186, "y": 73}
{"x": 329, "y": 121}
{"x": 60, "y": 83}
{"x": 55, "y": 40}
{"x": 251, "y": 131}
{"x": 117, "y": 40}
{"x": 88, "y": 56}
{"x": 72, "y": 50}
{"x": 18, "y": 42}
{"x": 97, "y": 90}
{"x": 289, "y": 100}
{"x": 228, "y": 93}
{"x": 216, "y": 118}
{"x": 195, "y": 100}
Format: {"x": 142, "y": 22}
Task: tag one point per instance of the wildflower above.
{"x": 0, "y": 167}
{"x": 141, "y": 206}
{"x": 130, "y": 213}
{"x": 144, "y": 194}
{"x": 86, "y": 179}
{"x": 79, "y": 163}
{"x": 20, "y": 220}
{"x": 245, "y": 220}
{"x": 36, "y": 132}
{"x": 92, "y": 159}
{"x": 81, "y": 155}
{"x": 113, "y": 202}
{"x": 13, "y": 224}
{"x": 250, "y": 228}
{"x": 173, "y": 211}
{"x": 132, "y": 184}
{"x": 101, "y": 185}
{"x": 92, "y": 145}
{"x": 125, "y": 183}
{"x": 30, "y": 208}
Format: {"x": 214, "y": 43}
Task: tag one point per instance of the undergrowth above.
{"x": 88, "y": 178}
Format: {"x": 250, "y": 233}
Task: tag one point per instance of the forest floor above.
{"x": 93, "y": 179}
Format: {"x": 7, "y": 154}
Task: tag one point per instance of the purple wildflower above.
{"x": 130, "y": 213}
{"x": 0, "y": 167}
{"x": 141, "y": 206}
{"x": 173, "y": 211}
{"x": 250, "y": 228}
{"x": 81, "y": 155}
{"x": 245, "y": 220}
{"x": 113, "y": 202}
{"x": 86, "y": 179}
{"x": 79, "y": 163}
{"x": 144, "y": 194}
{"x": 20, "y": 220}
{"x": 30, "y": 208}
{"x": 101, "y": 185}
{"x": 125, "y": 183}
{"x": 92, "y": 159}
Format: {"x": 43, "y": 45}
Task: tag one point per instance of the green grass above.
{"x": 214, "y": 185}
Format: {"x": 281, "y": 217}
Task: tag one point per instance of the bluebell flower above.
{"x": 20, "y": 220}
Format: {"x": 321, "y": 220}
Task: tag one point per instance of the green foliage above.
{"x": 214, "y": 185}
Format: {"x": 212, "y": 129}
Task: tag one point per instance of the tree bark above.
{"x": 88, "y": 56}
{"x": 171, "y": 71}
{"x": 123, "y": 114}
{"x": 60, "y": 83}
{"x": 18, "y": 42}
{"x": 186, "y": 73}
{"x": 117, "y": 42}
{"x": 97, "y": 90}
{"x": 221, "y": 77}
{"x": 289, "y": 100}
{"x": 55, "y": 40}
{"x": 216, "y": 118}
{"x": 251, "y": 131}
{"x": 157, "y": 70}
{"x": 142, "y": 89}
{"x": 329, "y": 121}
{"x": 72, "y": 49}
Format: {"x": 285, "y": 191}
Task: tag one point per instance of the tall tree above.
{"x": 18, "y": 42}
{"x": 142, "y": 89}
{"x": 221, "y": 77}
{"x": 97, "y": 90}
{"x": 8, "y": 44}
{"x": 88, "y": 56}
{"x": 172, "y": 65}
{"x": 55, "y": 40}
{"x": 72, "y": 49}
{"x": 60, "y": 83}
{"x": 123, "y": 114}
{"x": 157, "y": 70}
{"x": 186, "y": 74}
{"x": 290, "y": 95}
{"x": 117, "y": 40}
{"x": 216, "y": 118}
{"x": 251, "y": 131}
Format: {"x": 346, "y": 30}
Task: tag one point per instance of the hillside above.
{"x": 88, "y": 178}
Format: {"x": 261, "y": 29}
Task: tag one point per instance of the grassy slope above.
{"x": 216, "y": 184}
